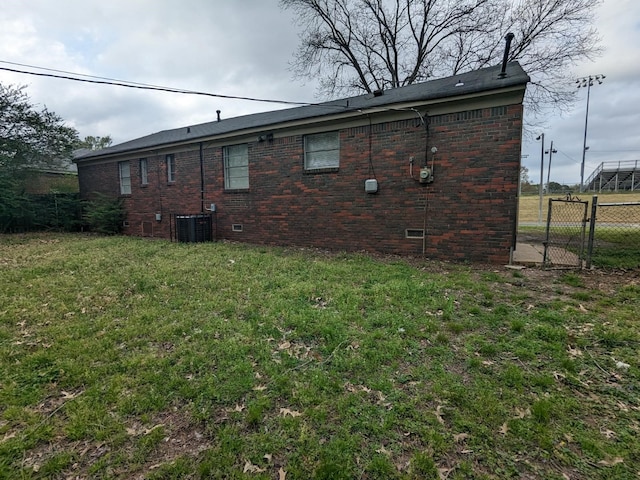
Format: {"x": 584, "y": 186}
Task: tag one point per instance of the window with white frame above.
{"x": 236, "y": 167}
{"x": 171, "y": 168}
{"x": 124, "y": 171}
{"x": 144, "y": 171}
{"x": 322, "y": 150}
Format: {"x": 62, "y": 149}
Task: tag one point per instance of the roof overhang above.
{"x": 470, "y": 91}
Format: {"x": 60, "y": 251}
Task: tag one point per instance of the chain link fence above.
{"x": 565, "y": 235}
{"x": 585, "y": 234}
{"x": 31, "y": 212}
{"x": 614, "y": 236}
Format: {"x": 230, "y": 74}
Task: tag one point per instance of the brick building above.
{"x": 430, "y": 168}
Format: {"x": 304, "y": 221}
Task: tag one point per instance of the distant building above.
{"x": 57, "y": 177}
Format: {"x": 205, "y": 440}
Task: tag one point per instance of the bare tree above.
{"x": 364, "y": 45}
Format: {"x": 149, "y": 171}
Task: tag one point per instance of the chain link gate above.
{"x": 614, "y": 235}
{"x": 564, "y": 245}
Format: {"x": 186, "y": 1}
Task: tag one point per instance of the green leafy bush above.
{"x": 105, "y": 214}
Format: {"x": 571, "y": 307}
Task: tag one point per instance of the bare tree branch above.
{"x": 362, "y": 45}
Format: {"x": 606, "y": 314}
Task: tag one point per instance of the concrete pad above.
{"x": 528, "y": 254}
{"x": 533, "y": 254}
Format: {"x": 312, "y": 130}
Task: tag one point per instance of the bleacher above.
{"x": 614, "y": 177}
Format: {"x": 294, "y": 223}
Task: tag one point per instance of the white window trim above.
{"x": 124, "y": 176}
{"x": 144, "y": 171}
{"x": 241, "y": 152}
{"x": 308, "y": 153}
{"x": 170, "y": 161}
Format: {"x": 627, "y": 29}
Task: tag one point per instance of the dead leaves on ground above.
{"x": 297, "y": 350}
{"x": 381, "y": 399}
{"x": 383, "y": 451}
{"x": 251, "y": 468}
{"x": 438, "y": 414}
{"x": 611, "y": 462}
{"x": 292, "y": 413}
{"x": 134, "y": 432}
{"x": 574, "y": 352}
{"x": 522, "y": 413}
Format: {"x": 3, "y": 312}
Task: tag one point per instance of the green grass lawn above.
{"x": 128, "y": 358}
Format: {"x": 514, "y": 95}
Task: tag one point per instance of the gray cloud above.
{"x": 244, "y": 48}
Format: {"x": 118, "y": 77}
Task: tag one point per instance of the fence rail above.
{"x": 31, "y": 212}
{"x": 614, "y": 235}
{"x": 609, "y": 237}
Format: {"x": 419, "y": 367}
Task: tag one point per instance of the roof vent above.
{"x": 505, "y": 58}
{"x": 218, "y": 113}
{"x": 378, "y": 93}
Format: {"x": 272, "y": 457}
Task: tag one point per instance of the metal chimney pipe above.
{"x": 505, "y": 58}
{"x": 218, "y": 112}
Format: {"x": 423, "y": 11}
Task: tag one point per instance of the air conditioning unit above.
{"x": 193, "y": 228}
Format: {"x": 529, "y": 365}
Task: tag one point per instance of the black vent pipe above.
{"x": 201, "y": 178}
{"x": 505, "y": 58}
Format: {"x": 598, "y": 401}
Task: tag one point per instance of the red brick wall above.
{"x": 469, "y": 211}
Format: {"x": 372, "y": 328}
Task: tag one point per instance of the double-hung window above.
{"x": 322, "y": 151}
{"x": 144, "y": 171}
{"x": 236, "y": 167}
{"x": 171, "y": 168}
{"x": 124, "y": 172}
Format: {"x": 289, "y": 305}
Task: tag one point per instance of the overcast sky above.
{"x": 243, "y": 48}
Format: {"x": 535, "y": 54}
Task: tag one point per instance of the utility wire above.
{"x": 145, "y": 86}
{"x": 570, "y": 158}
{"x": 142, "y": 86}
{"x": 77, "y": 74}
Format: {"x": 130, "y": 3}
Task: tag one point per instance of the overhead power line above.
{"x": 73, "y": 76}
{"x": 77, "y": 74}
{"x": 140, "y": 86}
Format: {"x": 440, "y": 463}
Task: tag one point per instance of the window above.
{"x": 322, "y": 151}
{"x": 171, "y": 168}
{"x": 144, "y": 172}
{"x": 236, "y": 167}
{"x": 124, "y": 170}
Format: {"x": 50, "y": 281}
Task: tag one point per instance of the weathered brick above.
{"x": 470, "y": 210}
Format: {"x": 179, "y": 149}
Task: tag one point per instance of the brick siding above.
{"x": 468, "y": 212}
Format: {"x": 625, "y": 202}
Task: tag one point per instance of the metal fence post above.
{"x": 592, "y": 229}
{"x": 546, "y": 241}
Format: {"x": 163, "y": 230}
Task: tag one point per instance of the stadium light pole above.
{"x": 586, "y": 82}
{"x": 541, "y": 137}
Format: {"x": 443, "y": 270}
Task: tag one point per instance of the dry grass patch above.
{"x": 529, "y": 205}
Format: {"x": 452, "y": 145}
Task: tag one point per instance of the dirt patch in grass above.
{"x": 166, "y": 437}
